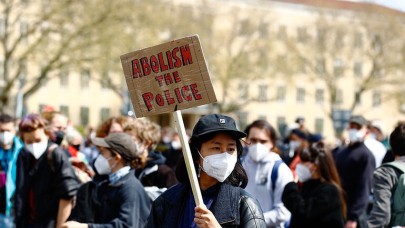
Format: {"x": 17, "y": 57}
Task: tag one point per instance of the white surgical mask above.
{"x": 176, "y": 145}
{"x": 295, "y": 145}
{"x": 101, "y": 165}
{"x": 373, "y": 136}
{"x": 355, "y": 135}
{"x": 258, "y": 151}
{"x": 303, "y": 172}
{"x": 219, "y": 166}
{"x": 6, "y": 138}
{"x": 37, "y": 149}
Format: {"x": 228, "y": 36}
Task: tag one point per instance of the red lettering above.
{"x": 163, "y": 67}
{"x": 147, "y": 98}
{"x": 154, "y": 64}
{"x": 168, "y": 79}
{"x": 136, "y": 70}
{"x": 186, "y": 93}
{"x": 159, "y": 79}
{"x": 194, "y": 91}
{"x": 145, "y": 66}
{"x": 186, "y": 55}
{"x": 168, "y": 98}
{"x": 170, "y": 59}
{"x": 178, "y": 95}
{"x": 176, "y": 77}
{"x": 159, "y": 100}
{"x": 177, "y": 62}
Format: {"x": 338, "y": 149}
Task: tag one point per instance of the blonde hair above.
{"x": 145, "y": 130}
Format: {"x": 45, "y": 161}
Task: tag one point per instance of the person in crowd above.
{"x": 355, "y": 164}
{"x": 300, "y": 121}
{"x": 57, "y": 124}
{"x": 112, "y": 125}
{"x": 377, "y": 131}
{"x": 90, "y": 150}
{"x": 10, "y": 147}
{"x": 386, "y": 181}
{"x": 298, "y": 142}
{"x": 46, "y": 182}
{"x": 266, "y": 172}
{"x": 156, "y": 172}
{"x": 175, "y": 152}
{"x": 122, "y": 200}
{"x": 216, "y": 149}
{"x": 320, "y": 201}
{"x": 376, "y": 147}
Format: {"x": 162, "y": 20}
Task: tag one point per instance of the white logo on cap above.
{"x": 222, "y": 121}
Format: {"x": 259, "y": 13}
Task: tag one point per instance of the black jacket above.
{"x": 124, "y": 204}
{"x": 47, "y": 184}
{"x": 233, "y": 207}
{"x": 317, "y": 205}
{"x": 355, "y": 164}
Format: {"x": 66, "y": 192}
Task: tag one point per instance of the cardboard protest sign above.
{"x": 168, "y": 77}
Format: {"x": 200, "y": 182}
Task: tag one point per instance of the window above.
{"x": 300, "y": 95}
{"x": 320, "y": 66}
{"x": 281, "y": 93}
{"x": 339, "y": 40}
{"x": 104, "y": 79}
{"x": 64, "y": 110}
{"x": 302, "y": 35}
{"x": 338, "y": 67}
{"x": 357, "y": 98}
{"x": 104, "y": 114}
{"x": 358, "y": 40}
{"x": 243, "y": 91}
{"x": 357, "y": 69}
{"x": 24, "y": 31}
{"x": 264, "y": 29}
{"x": 321, "y": 36}
{"x": 282, "y": 32}
{"x": 319, "y": 96}
{"x": 84, "y": 116}
{"x": 242, "y": 117}
{"x": 318, "y": 125}
{"x": 244, "y": 27}
{"x": 85, "y": 78}
{"x": 282, "y": 126}
{"x": 64, "y": 77}
{"x": 339, "y": 97}
{"x": 376, "y": 98}
{"x": 262, "y": 96}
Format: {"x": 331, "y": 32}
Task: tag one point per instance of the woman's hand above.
{"x": 74, "y": 224}
{"x": 204, "y": 217}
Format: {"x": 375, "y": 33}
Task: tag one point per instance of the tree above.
{"x": 373, "y": 51}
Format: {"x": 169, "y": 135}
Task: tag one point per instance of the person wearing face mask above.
{"x": 319, "y": 202}
{"x": 266, "y": 172}
{"x": 46, "y": 182}
{"x": 298, "y": 142}
{"x": 57, "y": 124}
{"x": 10, "y": 147}
{"x": 355, "y": 164}
{"x": 122, "y": 201}
{"x": 216, "y": 149}
{"x": 376, "y": 147}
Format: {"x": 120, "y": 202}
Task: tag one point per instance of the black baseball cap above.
{"x": 214, "y": 123}
{"x": 121, "y": 143}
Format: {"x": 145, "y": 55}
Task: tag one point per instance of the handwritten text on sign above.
{"x": 172, "y": 74}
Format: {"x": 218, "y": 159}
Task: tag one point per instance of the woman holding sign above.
{"x": 216, "y": 149}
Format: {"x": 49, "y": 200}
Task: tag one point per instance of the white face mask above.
{"x": 258, "y": 151}
{"x": 295, "y": 145}
{"x": 373, "y": 136}
{"x": 176, "y": 145}
{"x": 219, "y": 166}
{"x": 101, "y": 165}
{"x": 37, "y": 149}
{"x": 303, "y": 172}
{"x": 6, "y": 138}
{"x": 356, "y": 135}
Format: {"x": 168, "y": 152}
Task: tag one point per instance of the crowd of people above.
{"x": 130, "y": 172}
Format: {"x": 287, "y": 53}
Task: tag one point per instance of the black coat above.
{"x": 317, "y": 205}
{"x": 49, "y": 179}
{"x": 233, "y": 207}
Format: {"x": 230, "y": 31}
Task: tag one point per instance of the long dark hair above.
{"x": 238, "y": 176}
{"x": 318, "y": 154}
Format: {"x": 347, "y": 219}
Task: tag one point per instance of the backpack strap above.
{"x": 51, "y": 148}
{"x": 396, "y": 164}
{"x": 274, "y": 173}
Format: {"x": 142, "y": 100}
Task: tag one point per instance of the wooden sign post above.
{"x": 168, "y": 78}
